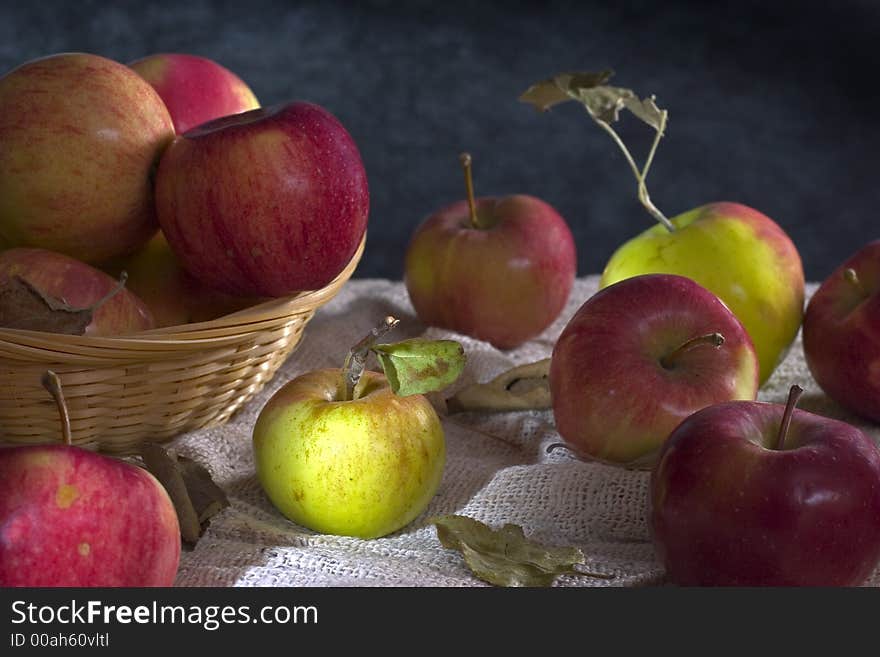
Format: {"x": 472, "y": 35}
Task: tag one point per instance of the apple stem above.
{"x": 465, "y": 159}
{"x": 713, "y": 339}
{"x": 851, "y": 277}
{"x": 641, "y": 175}
{"x": 356, "y": 361}
{"x": 52, "y": 382}
{"x": 793, "y": 396}
{"x": 123, "y": 278}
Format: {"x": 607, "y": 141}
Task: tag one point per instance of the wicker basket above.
{"x": 153, "y": 385}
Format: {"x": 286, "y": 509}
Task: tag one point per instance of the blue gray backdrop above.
{"x": 771, "y": 104}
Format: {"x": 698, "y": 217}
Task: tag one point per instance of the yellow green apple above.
{"x": 363, "y": 467}
{"x": 357, "y": 453}
{"x": 738, "y": 253}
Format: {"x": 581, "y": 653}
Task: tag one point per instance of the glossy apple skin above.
{"x": 195, "y": 89}
{"x": 174, "y": 297}
{"x": 80, "y": 136}
{"x": 613, "y": 399}
{"x": 841, "y": 334}
{"x": 738, "y": 253}
{"x": 70, "y": 517}
{"x": 503, "y": 284}
{"x": 80, "y": 286}
{"x": 264, "y": 203}
{"x": 364, "y": 468}
{"x": 728, "y": 509}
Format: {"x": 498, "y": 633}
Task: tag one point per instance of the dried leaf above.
{"x": 521, "y": 388}
{"x": 419, "y": 366}
{"x": 23, "y": 306}
{"x": 505, "y": 557}
{"x": 603, "y": 102}
{"x": 195, "y": 496}
{"x": 646, "y": 109}
{"x": 558, "y": 89}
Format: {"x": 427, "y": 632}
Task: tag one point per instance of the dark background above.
{"x": 771, "y": 104}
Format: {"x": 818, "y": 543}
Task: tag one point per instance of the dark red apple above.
{"x": 640, "y": 356}
{"x": 78, "y": 286}
{"x": 733, "y": 505}
{"x": 842, "y": 333}
{"x": 264, "y": 203}
{"x": 497, "y": 269}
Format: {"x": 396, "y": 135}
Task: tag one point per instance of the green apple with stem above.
{"x": 738, "y": 253}
{"x": 354, "y": 452}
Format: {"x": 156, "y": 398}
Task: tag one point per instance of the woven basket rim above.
{"x": 229, "y": 327}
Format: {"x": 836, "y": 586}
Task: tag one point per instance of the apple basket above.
{"x": 153, "y": 385}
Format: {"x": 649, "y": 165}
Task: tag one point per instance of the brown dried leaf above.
{"x": 23, "y": 306}
{"x": 603, "y": 102}
{"x": 560, "y": 88}
{"x": 521, "y": 388}
{"x": 646, "y": 109}
{"x": 505, "y": 557}
{"x": 195, "y": 496}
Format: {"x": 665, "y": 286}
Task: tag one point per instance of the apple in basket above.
{"x": 195, "y": 89}
{"x": 353, "y": 452}
{"x": 72, "y": 517}
{"x": 46, "y": 291}
{"x": 80, "y": 136}
{"x": 268, "y": 202}
{"x": 174, "y": 297}
{"x": 497, "y": 269}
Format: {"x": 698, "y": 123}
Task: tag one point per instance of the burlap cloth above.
{"x": 496, "y": 471}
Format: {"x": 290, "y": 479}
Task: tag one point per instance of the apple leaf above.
{"x": 23, "y": 306}
{"x": 559, "y": 88}
{"x": 646, "y": 109}
{"x": 602, "y": 101}
{"x": 521, "y": 388}
{"x": 505, "y": 557}
{"x": 195, "y": 496}
{"x": 419, "y": 366}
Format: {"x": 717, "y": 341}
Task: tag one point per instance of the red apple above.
{"x": 174, "y": 297}
{"x": 80, "y": 136}
{"x": 497, "y": 269}
{"x": 71, "y": 517}
{"x": 195, "y": 89}
{"x": 640, "y": 356}
{"x": 264, "y": 203}
{"x": 732, "y": 504}
{"x": 842, "y": 333}
{"x": 79, "y": 286}
{"x": 738, "y": 253}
